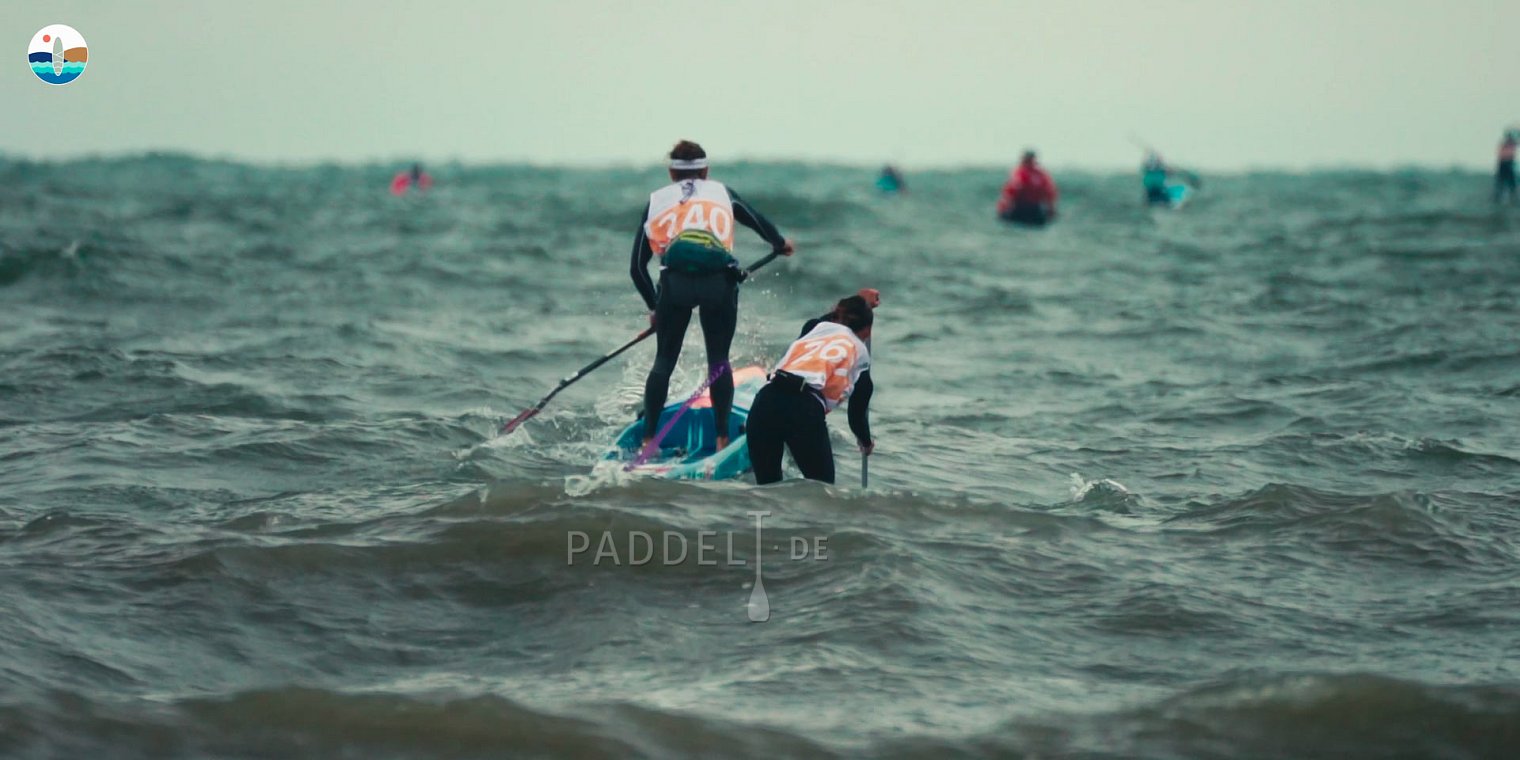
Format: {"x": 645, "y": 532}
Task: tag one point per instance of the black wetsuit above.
{"x": 1154, "y": 176}
{"x": 1504, "y": 180}
{"x": 786, "y": 413}
{"x": 716, "y": 294}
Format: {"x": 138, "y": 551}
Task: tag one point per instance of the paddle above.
{"x": 530, "y": 412}
{"x": 865, "y": 470}
{"x": 1141, "y": 144}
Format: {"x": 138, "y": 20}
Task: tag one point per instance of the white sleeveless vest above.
{"x": 829, "y": 358}
{"x": 691, "y": 204}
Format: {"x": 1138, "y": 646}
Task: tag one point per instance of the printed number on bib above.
{"x": 699, "y": 215}
{"x": 816, "y": 357}
{"x": 828, "y": 350}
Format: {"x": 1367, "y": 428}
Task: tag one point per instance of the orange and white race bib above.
{"x": 691, "y": 204}
{"x": 829, "y": 358}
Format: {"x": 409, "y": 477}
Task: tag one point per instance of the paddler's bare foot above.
{"x": 722, "y": 442}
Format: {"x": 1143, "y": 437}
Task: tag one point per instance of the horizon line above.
{"x": 639, "y": 165}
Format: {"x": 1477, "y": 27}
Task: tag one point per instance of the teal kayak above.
{"x": 1179, "y": 195}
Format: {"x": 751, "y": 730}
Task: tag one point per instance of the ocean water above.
{"x": 1241, "y": 481}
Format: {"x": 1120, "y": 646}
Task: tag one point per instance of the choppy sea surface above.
{"x": 1240, "y": 481}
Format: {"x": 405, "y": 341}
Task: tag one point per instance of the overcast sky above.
{"x": 1220, "y": 84}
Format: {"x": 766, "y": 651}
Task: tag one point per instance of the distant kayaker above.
{"x": 891, "y": 180}
{"x": 689, "y": 224}
{"x": 1156, "y": 176}
{"x": 1504, "y": 176}
{"x": 829, "y": 364}
{"x": 1030, "y": 195}
{"x": 1153, "y": 175}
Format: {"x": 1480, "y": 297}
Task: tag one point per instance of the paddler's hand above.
{"x": 786, "y": 248}
{"x": 651, "y": 320}
{"x": 866, "y": 448}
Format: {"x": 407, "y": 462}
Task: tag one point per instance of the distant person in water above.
{"x": 891, "y": 180}
{"x": 1504, "y": 175}
{"x": 1153, "y": 175}
{"x": 829, "y": 364}
{"x": 1030, "y": 195}
{"x": 689, "y": 224}
{"x": 409, "y": 179}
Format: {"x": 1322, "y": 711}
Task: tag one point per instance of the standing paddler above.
{"x": 689, "y": 224}
{"x": 1504, "y": 175}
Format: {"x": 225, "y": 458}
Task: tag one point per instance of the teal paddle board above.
{"x": 689, "y": 451}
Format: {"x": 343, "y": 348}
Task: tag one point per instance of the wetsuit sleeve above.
{"x": 638, "y": 264}
{"x": 860, "y": 407}
{"x": 752, "y": 219}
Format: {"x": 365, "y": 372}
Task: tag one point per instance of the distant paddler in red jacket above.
{"x": 1030, "y": 195}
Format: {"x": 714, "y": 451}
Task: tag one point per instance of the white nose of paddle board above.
{"x": 57, "y": 56}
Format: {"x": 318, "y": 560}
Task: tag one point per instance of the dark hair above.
{"x": 853, "y": 312}
{"x": 686, "y": 150}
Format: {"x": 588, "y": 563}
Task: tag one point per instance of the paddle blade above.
{"x": 517, "y": 421}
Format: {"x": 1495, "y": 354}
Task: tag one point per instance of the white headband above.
{"x": 682, "y": 164}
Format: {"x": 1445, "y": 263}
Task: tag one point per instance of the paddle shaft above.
{"x": 528, "y": 413}
{"x": 865, "y": 470}
{"x": 531, "y": 411}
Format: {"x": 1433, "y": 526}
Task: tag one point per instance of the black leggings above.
{"x": 717, "y": 295}
{"x": 1504, "y": 181}
{"x": 781, "y": 416}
